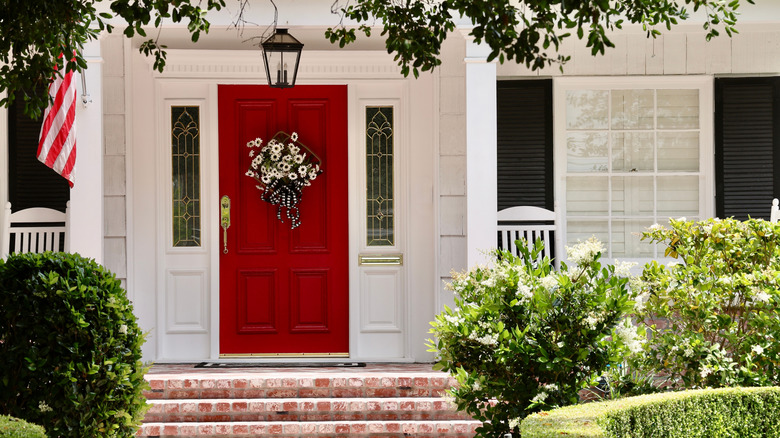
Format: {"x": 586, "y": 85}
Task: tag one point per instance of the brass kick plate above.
{"x": 245, "y": 355}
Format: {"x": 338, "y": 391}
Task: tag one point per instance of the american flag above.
{"x": 57, "y": 144}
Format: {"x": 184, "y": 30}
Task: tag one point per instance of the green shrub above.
{"x": 11, "y": 427}
{"x": 708, "y": 413}
{"x": 70, "y": 347}
{"x": 713, "y": 316}
{"x": 525, "y": 338}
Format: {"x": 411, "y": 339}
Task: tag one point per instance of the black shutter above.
{"x": 525, "y": 155}
{"x": 30, "y": 182}
{"x": 747, "y": 144}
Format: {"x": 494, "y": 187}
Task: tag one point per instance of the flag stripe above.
{"x": 57, "y": 144}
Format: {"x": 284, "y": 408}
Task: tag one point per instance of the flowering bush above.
{"x": 713, "y": 316}
{"x": 524, "y": 338}
{"x": 282, "y": 168}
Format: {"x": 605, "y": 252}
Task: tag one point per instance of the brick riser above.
{"x": 449, "y": 429}
{"x": 302, "y": 410}
{"x": 340, "y": 387}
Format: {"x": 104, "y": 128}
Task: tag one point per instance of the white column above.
{"x": 85, "y": 224}
{"x": 481, "y": 138}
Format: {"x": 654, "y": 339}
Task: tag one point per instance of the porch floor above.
{"x": 380, "y": 399}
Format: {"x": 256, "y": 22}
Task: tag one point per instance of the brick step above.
{"x": 307, "y": 409}
{"x": 450, "y": 429}
{"x": 228, "y": 386}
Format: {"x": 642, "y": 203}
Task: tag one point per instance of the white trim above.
{"x": 85, "y": 225}
{"x": 704, "y": 84}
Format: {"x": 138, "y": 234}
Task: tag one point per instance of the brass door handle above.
{"x": 224, "y": 215}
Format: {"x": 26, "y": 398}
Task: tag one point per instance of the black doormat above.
{"x": 222, "y": 365}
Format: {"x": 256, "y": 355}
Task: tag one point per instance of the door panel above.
{"x": 284, "y": 291}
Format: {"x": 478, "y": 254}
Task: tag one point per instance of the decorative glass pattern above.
{"x": 380, "y": 201}
{"x": 185, "y": 159}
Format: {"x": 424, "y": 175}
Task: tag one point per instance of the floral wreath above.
{"x": 283, "y": 167}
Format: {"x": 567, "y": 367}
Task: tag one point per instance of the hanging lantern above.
{"x": 280, "y": 52}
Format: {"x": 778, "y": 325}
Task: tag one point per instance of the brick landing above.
{"x": 387, "y": 400}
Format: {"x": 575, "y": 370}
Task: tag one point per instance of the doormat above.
{"x": 222, "y": 365}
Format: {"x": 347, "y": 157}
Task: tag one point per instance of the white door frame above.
{"x": 192, "y": 76}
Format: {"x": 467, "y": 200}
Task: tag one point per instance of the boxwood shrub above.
{"x": 11, "y": 427}
{"x": 70, "y": 347}
{"x": 705, "y": 413}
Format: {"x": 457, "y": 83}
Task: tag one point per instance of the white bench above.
{"x": 529, "y": 223}
{"x": 34, "y": 230}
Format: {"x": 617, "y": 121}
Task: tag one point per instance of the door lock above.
{"x": 224, "y": 214}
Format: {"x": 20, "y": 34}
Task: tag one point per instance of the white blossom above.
{"x": 549, "y": 282}
{"x": 655, "y": 227}
{"x": 487, "y": 339}
{"x": 540, "y": 397}
{"x": 123, "y": 329}
{"x": 627, "y": 333}
{"x": 524, "y": 292}
{"x": 592, "y": 321}
{"x": 758, "y": 350}
{"x": 623, "y": 269}
{"x": 293, "y": 176}
{"x": 584, "y": 252}
{"x": 299, "y": 159}
{"x": 43, "y": 407}
{"x": 294, "y": 136}
{"x": 688, "y": 352}
{"x": 761, "y": 296}
{"x": 550, "y": 387}
{"x": 513, "y": 423}
{"x": 705, "y": 371}
{"x": 250, "y": 173}
{"x": 489, "y": 282}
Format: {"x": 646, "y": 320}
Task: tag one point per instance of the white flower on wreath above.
{"x": 281, "y": 160}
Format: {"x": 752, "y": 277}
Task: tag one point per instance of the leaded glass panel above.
{"x": 380, "y": 197}
{"x": 185, "y": 159}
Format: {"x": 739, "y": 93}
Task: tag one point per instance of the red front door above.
{"x": 284, "y": 291}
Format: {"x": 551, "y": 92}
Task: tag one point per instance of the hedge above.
{"x": 707, "y": 413}
{"x": 11, "y": 427}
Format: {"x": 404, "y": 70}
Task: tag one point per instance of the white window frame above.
{"x": 704, "y": 84}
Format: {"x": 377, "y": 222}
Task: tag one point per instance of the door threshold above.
{"x": 282, "y": 355}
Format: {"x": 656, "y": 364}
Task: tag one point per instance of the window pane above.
{"x": 624, "y": 238}
{"x": 587, "y": 152}
{"x": 185, "y": 158}
{"x": 678, "y": 109}
{"x": 632, "y": 109}
{"x": 380, "y": 223}
{"x": 678, "y": 196}
{"x": 587, "y": 196}
{"x": 632, "y": 196}
{"x": 678, "y": 151}
{"x": 632, "y": 151}
{"x": 587, "y": 109}
{"x": 582, "y": 230}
